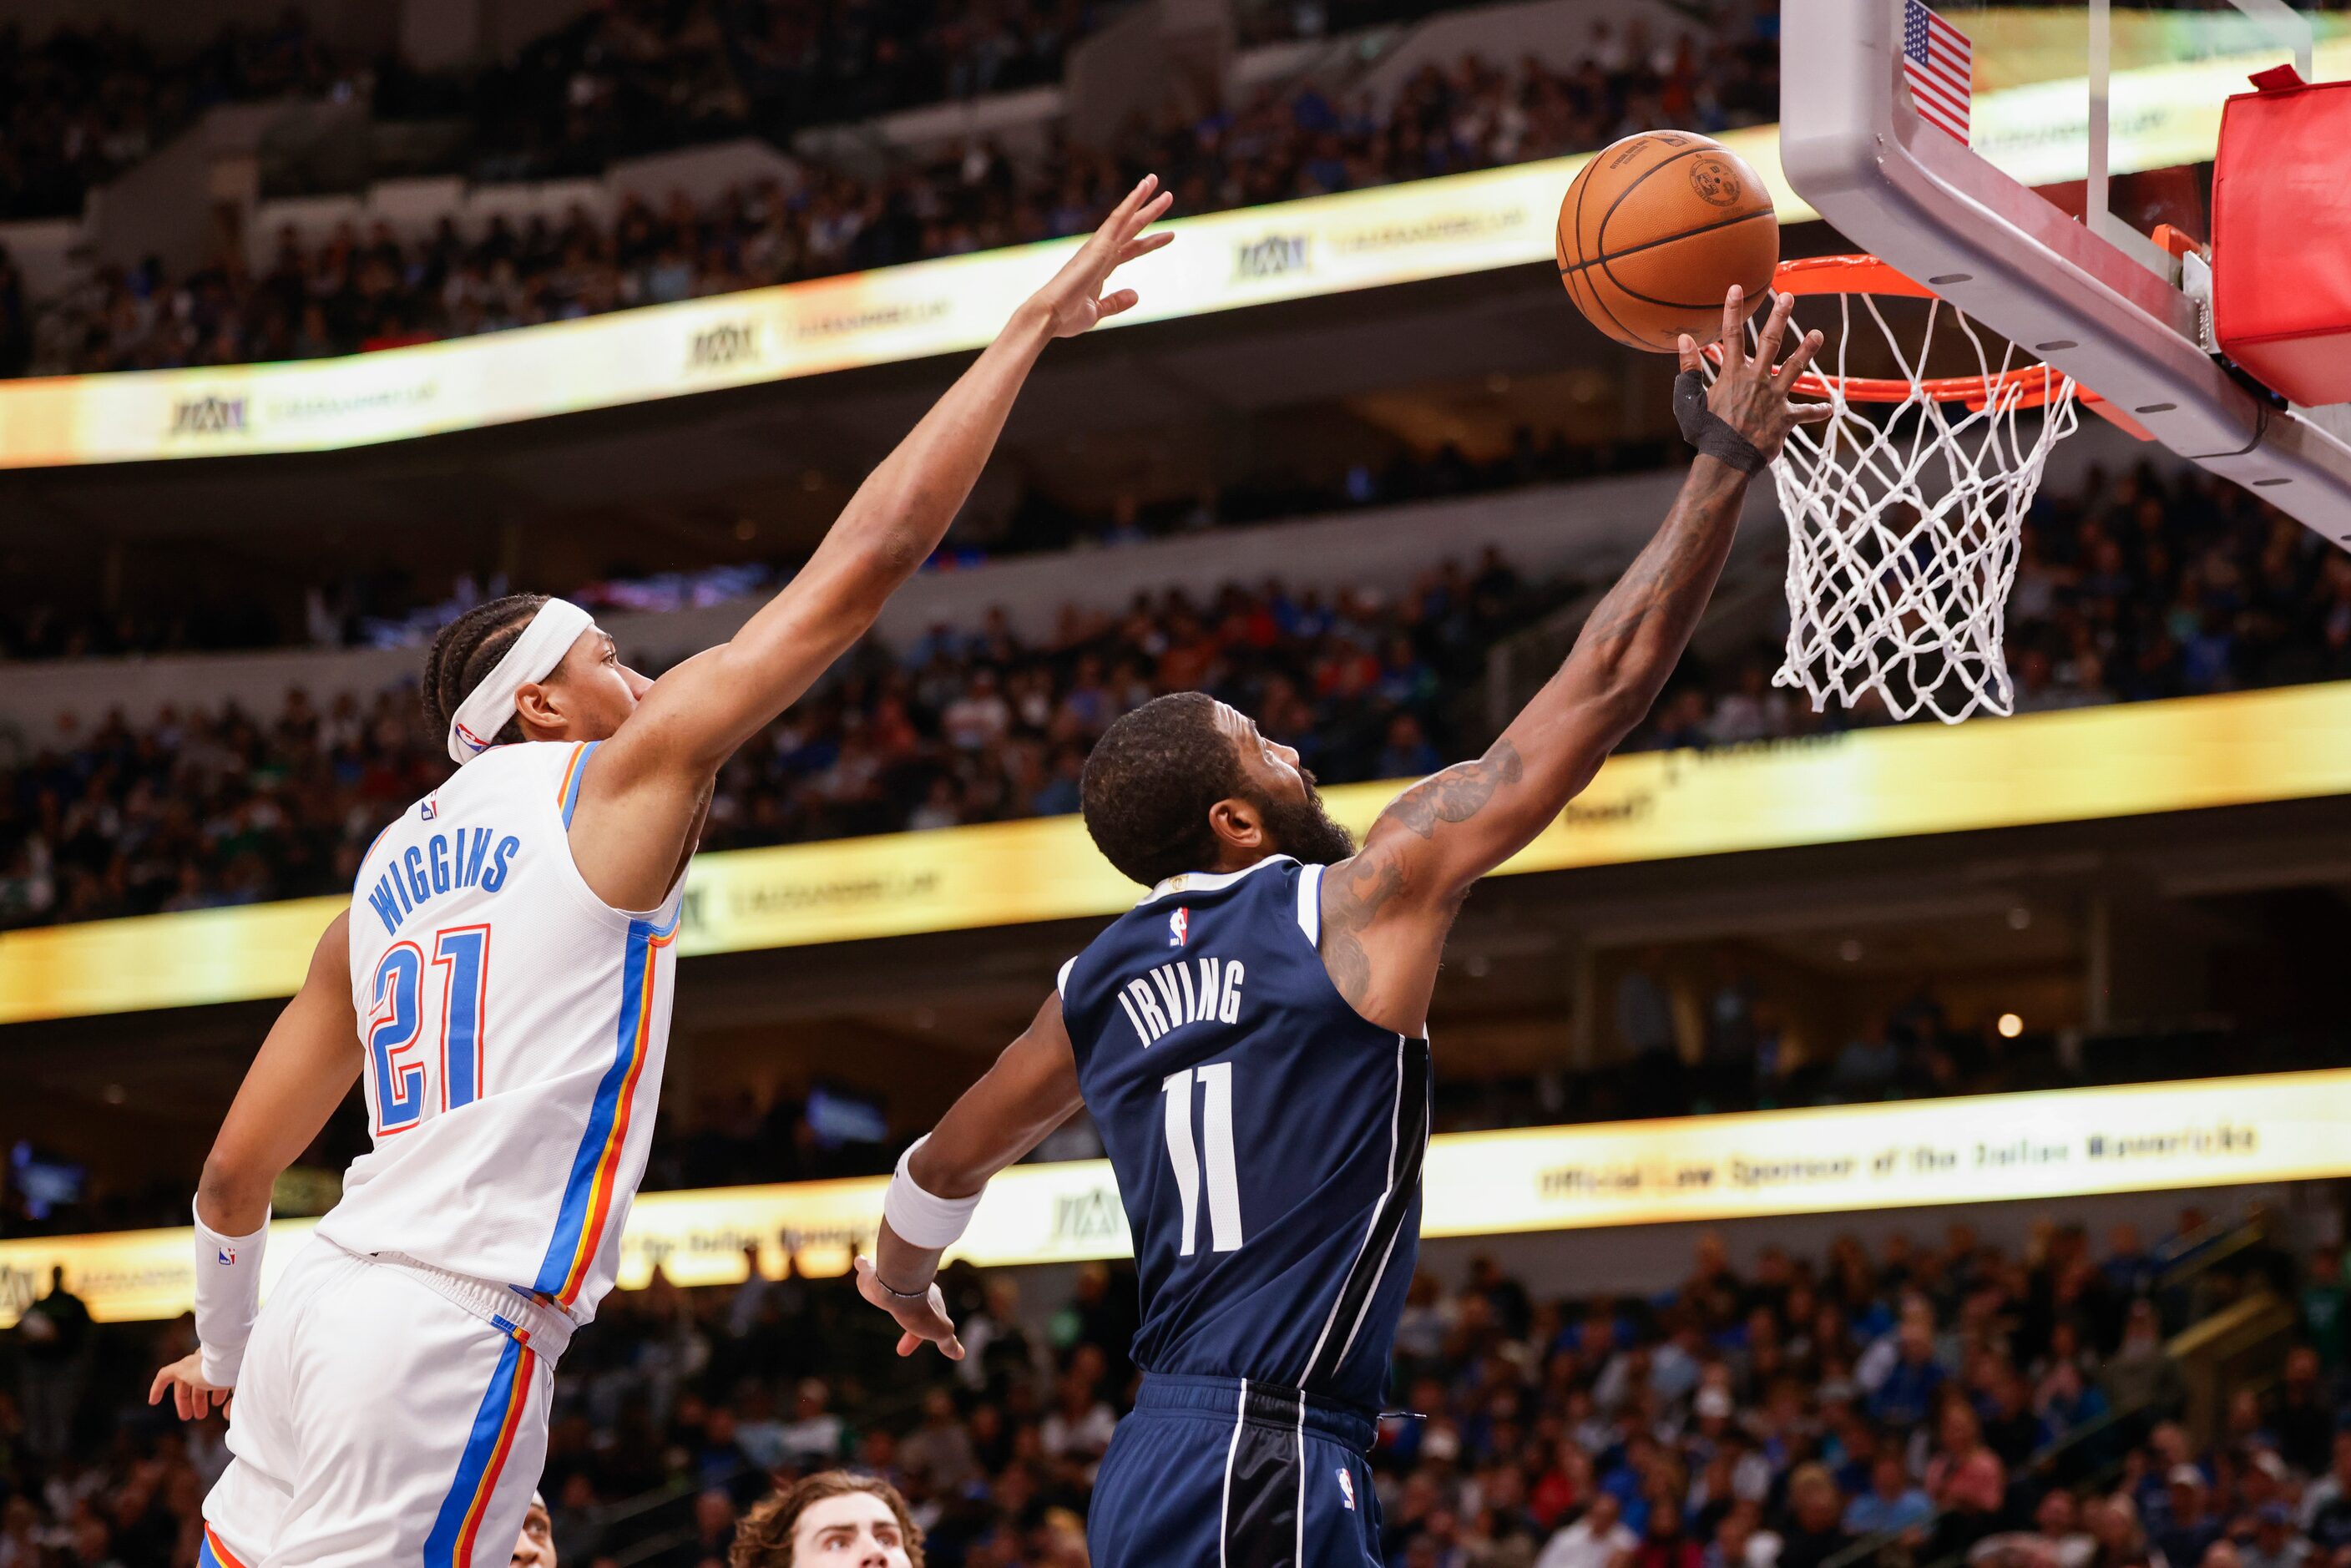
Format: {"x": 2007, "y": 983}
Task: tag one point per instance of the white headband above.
{"x": 474, "y": 727}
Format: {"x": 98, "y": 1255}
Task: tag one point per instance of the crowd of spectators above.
{"x": 637, "y": 77}
{"x": 1924, "y": 1402}
{"x": 354, "y": 289}
{"x": 2142, "y": 586}
{"x": 965, "y": 725}
{"x": 81, "y": 103}
{"x": 388, "y": 607}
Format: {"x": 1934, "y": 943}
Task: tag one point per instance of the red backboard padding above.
{"x": 2282, "y": 236}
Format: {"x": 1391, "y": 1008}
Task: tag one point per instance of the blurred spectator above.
{"x": 2275, "y": 1543}
{"x": 2192, "y": 1529}
{"x": 1597, "y": 1540}
{"x": 2113, "y": 1525}
{"x": 55, "y": 1331}
{"x": 2139, "y": 1374}
{"x": 1893, "y": 1502}
{"x": 814, "y": 1434}
{"x": 2323, "y": 1302}
{"x": 2302, "y": 1417}
{"x": 1815, "y": 1531}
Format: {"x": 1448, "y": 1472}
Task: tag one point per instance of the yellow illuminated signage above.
{"x": 1222, "y": 261}
{"x": 2131, "y": 760}
{"x": 1986, "y": 1148}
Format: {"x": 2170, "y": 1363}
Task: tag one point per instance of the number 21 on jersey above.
{"x": 1216, "y": 1081}
{"x": 396, "y": 1025}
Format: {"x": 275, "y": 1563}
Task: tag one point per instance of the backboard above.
{"x": 2031, "y": 199}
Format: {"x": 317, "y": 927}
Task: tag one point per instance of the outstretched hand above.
{"x": 1074, "y": 299}
{"x": 1750, "y": 394}
{"x": 192, "y": 1396}
{"x": 923, "y": 1321}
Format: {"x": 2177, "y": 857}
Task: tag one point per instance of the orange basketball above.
{"x": 1654, "y": 231}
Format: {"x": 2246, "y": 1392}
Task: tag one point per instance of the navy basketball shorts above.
{"x": 1213, "y": 1473}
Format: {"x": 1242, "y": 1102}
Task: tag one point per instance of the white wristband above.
{"x": 228, "y": 1298}
{"x": 919, "y": 1218}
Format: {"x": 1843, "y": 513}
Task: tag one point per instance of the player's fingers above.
{"x": 908, "y": 1343}
{"x": 1154, "y": 210}
{"x": 1144, "y": 246}
{"x": 183, "y": 1402}
{"x": 1130, "y": 202}
{"x": 1734, "y": 315}
{"x": 1796, "y": 361}
{"x": 1110, "y": 305}
{"x": 1140, "y": 209}
{"x": 155, "y": 1389}
{"x": 1811, "y": 413}
{"x": 1775, "y": 327}
{"x": 953, "y": 1349}
{"x": 1687, "y": 348}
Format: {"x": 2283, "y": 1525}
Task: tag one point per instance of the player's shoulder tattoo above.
{"x": 1353, "y": 893}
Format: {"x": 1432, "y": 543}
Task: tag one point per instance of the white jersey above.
{"x": 512, "y": 1030}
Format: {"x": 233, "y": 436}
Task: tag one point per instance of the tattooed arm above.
{"x": 1387, "y": 910}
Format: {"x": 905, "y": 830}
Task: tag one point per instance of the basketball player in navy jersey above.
{"x": 1251, "y": 1040}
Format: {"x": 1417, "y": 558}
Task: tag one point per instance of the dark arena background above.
{"x": 1858, "y": 1144}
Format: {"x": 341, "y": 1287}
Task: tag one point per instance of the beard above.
{"x": 1303, "y": 829}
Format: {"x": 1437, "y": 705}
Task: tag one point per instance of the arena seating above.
{"x": 1926, "y": 1402}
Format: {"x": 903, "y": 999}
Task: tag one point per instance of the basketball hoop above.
{"x": 1903, "y": 523}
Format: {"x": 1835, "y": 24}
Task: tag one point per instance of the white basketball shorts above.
{"x": 387, "y": 1412}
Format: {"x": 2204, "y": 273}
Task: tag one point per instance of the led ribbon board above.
{"x": 2130, "y": 759}
{"x": 1443, "y": 228}
{"x": 2053, "y": 1144}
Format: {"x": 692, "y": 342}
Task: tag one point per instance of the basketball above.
{"x": 1655, "y": 229}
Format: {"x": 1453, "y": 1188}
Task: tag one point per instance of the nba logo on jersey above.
{"x": 228, "y": 1255}
{"x": 430, "y": 809}
{"x": 1179, "y": 927}
{"x": 1346, "y": 1489}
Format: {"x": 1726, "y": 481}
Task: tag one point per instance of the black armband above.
{"x": 1709, "y": 430}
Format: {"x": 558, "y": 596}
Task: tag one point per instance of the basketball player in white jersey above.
{"x": 501, "y": 987}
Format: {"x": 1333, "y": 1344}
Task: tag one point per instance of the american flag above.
{"x": 1938, "y": 63}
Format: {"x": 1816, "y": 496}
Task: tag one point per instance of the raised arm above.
{"x": 1385, "y": 911}
{"x": 657, "y": 766}
{"x": 305, "y": 1067}
{"x": 1031, "y": 1090}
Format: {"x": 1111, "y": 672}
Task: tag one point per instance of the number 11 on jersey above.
{"x": 1216, "y": 1081}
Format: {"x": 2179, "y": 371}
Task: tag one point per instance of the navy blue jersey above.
{"x": 1267, "y": 1140}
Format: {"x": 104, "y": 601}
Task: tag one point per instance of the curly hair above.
{"x": 764, "y": 1538}
{"x": 466, "y": 649}
{"x": 1150, "y": 782}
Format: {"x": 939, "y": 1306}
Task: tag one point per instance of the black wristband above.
{"x": 890, "y": 1290}
{"x": 1709, "y": 430}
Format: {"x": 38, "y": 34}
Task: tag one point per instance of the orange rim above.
{"x": 1809, "y": 276}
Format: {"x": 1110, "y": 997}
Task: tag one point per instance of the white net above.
{"x": 1903, "y": 518}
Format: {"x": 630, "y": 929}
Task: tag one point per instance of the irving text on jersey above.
{"x": 1186, "y": 991}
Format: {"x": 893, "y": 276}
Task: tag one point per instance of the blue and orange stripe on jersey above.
{"x": 211, "y": 1553}
{"x": 575, "y": 770}
{"x": 451, "y": 1542}
{"x": 588, "y": 1193}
